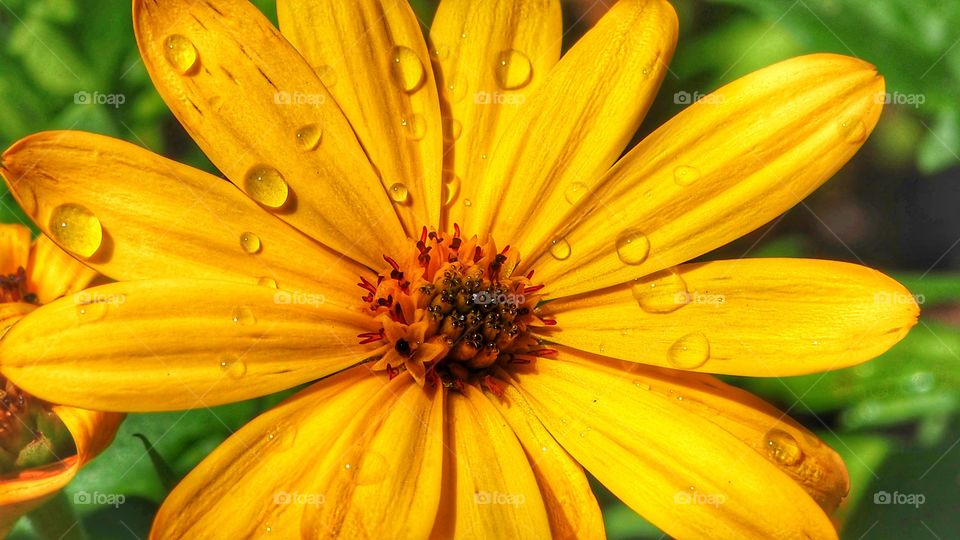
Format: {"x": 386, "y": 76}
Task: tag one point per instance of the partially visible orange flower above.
{"x": 37, "y": 457}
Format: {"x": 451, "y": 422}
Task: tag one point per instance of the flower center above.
{"x": 13, "y": 288}
{"x": 454, "y": 311}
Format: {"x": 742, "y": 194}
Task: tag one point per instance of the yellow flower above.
{"x": 458, "y": 394}
{"x": 37, "y": 457}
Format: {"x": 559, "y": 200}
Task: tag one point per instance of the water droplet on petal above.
{"x": 75, "y": 228}
{"x": 854, "y": 131}
{"x": 689, "y": 352}
{"x": 181, "y": 53}
{"x": 661, "y": 293}
{"x": 513, "y": 70}
{"x": 308, "y": 137}
{"x": 407, "y": 69}
{"x": 327, "y": 75}
{"x": 243, "y": 316}
{"x": 457, "y": 89}
{"x": 90, "y": 312}
{"x": 415, "y": 127}
{"x": 267, "y": 186}
{"x": 560, "y": 249}
{"x": 267, "y": 282}
{"x": 441, "y": 52}
{"x": 250, "y": 242}
{"x": 233, "y": 367}
{"x": 399, "y": 193}
{"x": 373, "y": 469}
{"x": 450, "y": 189}
{"x": 685, "y": 175}
{"x": 456, "y": 129}
{"x": 641, "y": 384}
{"x": 467, "y": 203}
{"x": 632, "y": 246}
{"x": 575, "y": 192}
{"x": 782, "y": 447}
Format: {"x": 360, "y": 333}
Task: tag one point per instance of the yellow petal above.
{"x": 159, "y": 345}
{"x": 53, "y": 273}
{"x": 721, "y": 168}
{"x": 11, "y": 312}
{"x": 489, "y": 489}
{"x": 92, "y": 432}
{"x": 273, "y": 461}
{"x": 161, "y": 219}
{"x": 491, "y": 57}
{"x": 383, "y": 474}
{"x": 684, "y": 473}
{"x": 577, "y": 123}
{"x": 14, "y": 247}
{"x": 771, "y": 433}
{"x": 244, "y": 93}
{"x": 372, "y": 58}
{"x": 757, "y": 317}
{"x": 571, "y": 506}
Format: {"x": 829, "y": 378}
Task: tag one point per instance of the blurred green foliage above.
{"x": 893, "y": 419}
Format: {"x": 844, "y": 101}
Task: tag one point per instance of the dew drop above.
{"x": 641, "y": 385}
{"x": 661, "y": 293}
{"x": 632, "y": 246}
{"x": 327, "y": 75}
{"x": 457, "y": 89}
{"x": 560, "y": 249}
{"x": 543, "y": 449}
{"x": 373, "y": 469}
{"x": 467, "y": 203}
{"x": 250, "y": 242}
{"x": 450, "y": 189}
{"x": 233, "y": 367}
{"x": 76, "y": 229}
{"x": 456, "y": 129}
{"x": 415, "y": 127}
{"x": 308, "y": 137}
{"x": 513, "y": 70}
{"x": 782, "y": 447}
{"x": 854, "y": 131}
{"x": 575, "y": 192}
{"x": 181, "y": 53}
{"x": 441, "y": 52}
{"x": 407, "y": 69}
{"x": 267, "y": 282}
{"x": 243, "y": 316}
{"x": 399, "y": 193}
{"x": 689, "y": 352}
{"x": 267, "y": 186}
{"x": 686, "y": 175}
{"x": 93, "y": 311}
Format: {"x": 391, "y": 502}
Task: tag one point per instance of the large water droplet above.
{"x": 76, "y": 229}
{"x": 327, "y": 75}
{"x": 243, "y": 316}
{"x": 267, "y": 282}
{"x": 513, "y": 70}
{"x": 267, "y": 186}
{"x": 441, "y": 52}
{"x": 575, "y": 192}
{"x": 560, "y": 249}
{"x": 689, "y": 352}
{"x": 685, "y": 175}
{"x": 92, "y": 311}
{"x": 250, "y": 242}
{"x": 457, "y": 89}
{"x": 782, "y": 447}
{"x": 415, "y": 127}
{"x": 854, "y": 131}
{"x": 399, "y": 193}
{"x": 632, "y": 246}
{"x": 181, "y": 53}
{"x": 233, "y": 366}
{"x": 450, "y": 189}
{"x": 308, "y": 137}
{"x": 456, "y": 129}
{"x": 661, "y": 293}
{"x": 407, "y": 69}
